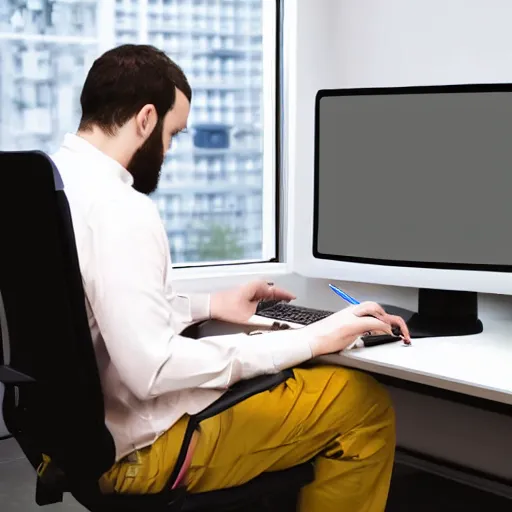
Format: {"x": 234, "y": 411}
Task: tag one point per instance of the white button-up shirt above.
{"x": 151, "y": 376}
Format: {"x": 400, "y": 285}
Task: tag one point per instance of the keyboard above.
{"x": 284, "y": 312}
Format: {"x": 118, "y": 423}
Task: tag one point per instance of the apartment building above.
{"x": 212, "y": 180}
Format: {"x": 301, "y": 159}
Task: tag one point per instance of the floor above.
{"x": 415, "y": 491}
{"x": 411, "y": 491}
{"x": 17, "y": 484}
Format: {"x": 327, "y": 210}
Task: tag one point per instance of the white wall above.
{"x": 364, "y": 43}
{"x": 310, "y": 36}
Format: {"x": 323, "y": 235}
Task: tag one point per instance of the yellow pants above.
{"x": 339, "y": 415}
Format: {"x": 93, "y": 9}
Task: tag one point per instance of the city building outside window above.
{"x": 218, "y": 186}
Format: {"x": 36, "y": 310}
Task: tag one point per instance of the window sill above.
{"x": 205, "y": 279}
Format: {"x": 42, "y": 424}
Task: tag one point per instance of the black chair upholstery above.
{"x": 53, "y": 402}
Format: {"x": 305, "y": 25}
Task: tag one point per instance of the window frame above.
{"x": 273, "y": 200}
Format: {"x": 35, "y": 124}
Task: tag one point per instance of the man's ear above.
{"x": 146, "y": 120}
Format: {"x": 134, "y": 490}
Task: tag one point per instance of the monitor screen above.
{"x": 415, "y": 176}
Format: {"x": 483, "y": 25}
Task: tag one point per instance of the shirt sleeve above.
{"x": 199, "y": 304}
{"x": 188, "y": 308}
{"x": 126, "y": 285}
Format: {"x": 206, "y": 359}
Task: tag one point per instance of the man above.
{"x": 134, "y": 101}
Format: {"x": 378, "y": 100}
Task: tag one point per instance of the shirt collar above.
{"x": 80, "y": 145}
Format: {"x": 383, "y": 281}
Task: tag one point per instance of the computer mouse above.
{"x": 396, "y": 331}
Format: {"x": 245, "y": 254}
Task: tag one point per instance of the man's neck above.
{"x": 112, "y": 146}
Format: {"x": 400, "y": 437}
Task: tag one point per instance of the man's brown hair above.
{"x": 126, "y": 78}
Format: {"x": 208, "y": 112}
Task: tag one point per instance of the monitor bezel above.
{"x": 373, "y": 91}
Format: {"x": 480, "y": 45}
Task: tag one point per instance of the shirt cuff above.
{"x": 288, "y": 348}
{"x": 199, "y": 306}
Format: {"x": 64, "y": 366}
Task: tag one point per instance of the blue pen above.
{"x": 344, "y": 295}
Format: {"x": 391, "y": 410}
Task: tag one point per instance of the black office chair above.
{"x": 53, "y": 401}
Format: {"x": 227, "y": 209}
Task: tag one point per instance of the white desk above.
{"x": 479, "y": 365}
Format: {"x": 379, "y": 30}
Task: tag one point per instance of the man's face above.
{"x": 146, "y": 163}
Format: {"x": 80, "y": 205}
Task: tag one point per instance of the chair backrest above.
{"x": 61, "y": 415}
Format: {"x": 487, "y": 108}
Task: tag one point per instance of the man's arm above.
{"x": 126, "y": 282}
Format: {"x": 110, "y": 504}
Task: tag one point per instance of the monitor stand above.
{"x": 442, "y": 313}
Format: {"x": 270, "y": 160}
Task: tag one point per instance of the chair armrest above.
{"x": 8, "y": 376}
{"x": 242, "y": 391}
{"x": 235, "y": 394}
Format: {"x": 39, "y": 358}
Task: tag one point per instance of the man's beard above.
{"x": 146, "y": 163}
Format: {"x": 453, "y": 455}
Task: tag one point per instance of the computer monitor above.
{"x": 413, "y": 187}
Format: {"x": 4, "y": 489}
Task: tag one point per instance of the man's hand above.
{"x": 239, "y": 305}
{"x": 339, "y": 330}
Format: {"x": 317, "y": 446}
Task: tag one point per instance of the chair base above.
{"x": 270, "y": 492}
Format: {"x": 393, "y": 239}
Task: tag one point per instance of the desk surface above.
{"x": 479, "y": 365}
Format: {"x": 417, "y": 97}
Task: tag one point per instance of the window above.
{"x": 217, "y": 192}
